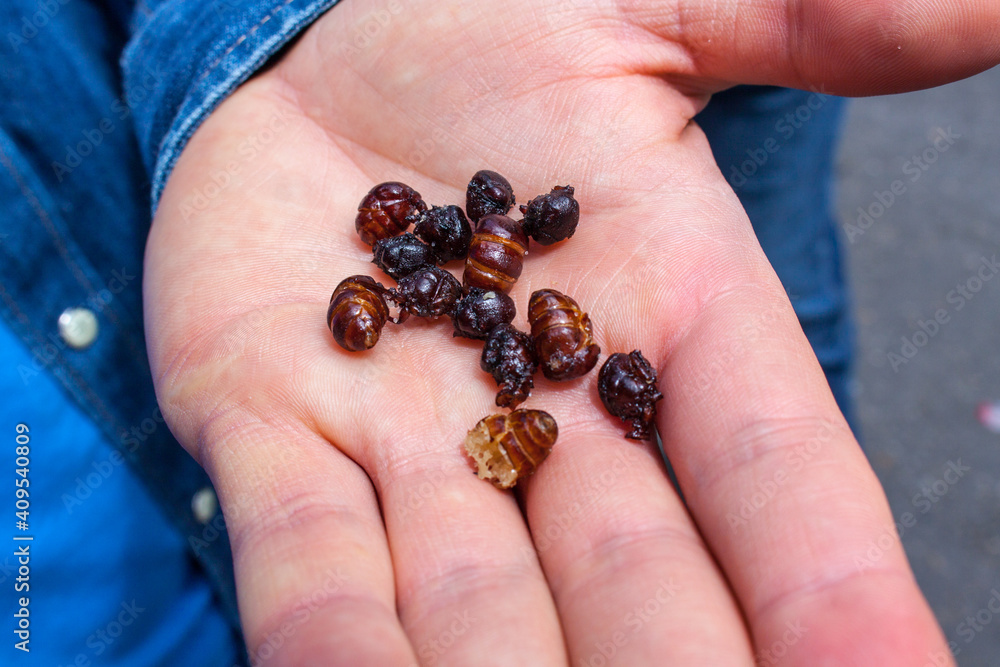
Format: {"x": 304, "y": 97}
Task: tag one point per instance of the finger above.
{"x": 784, "y": 496}
{"x": 464, "y": 586}
{"x": 633, "y": 581}
{"x": 309, "y": 548}
{"x": 861, "y": 47}
{"x": 778, "y": 486}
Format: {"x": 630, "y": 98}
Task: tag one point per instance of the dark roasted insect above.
{"x": 488, "y": 192}
{"x": 387, "y": 210}
{"x": 626, "y": 384}
{"x": 496, "y": 254}
{"x": 480, "y": 310}
{"x": 509, "y": 357}
{"x": 562, "y": 334}
{"x": 552, "y": 217}
{"x": 447, "y": 231}
{"x": 401, "y": 255}
{"x": 427, "y": 292}
{"x": 357, "y": 313}
{"x": 508, "y": 448}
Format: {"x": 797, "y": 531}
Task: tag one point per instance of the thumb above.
{"x": 844, "y": 47}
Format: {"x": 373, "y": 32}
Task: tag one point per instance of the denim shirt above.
{"x": 97, "y": 100}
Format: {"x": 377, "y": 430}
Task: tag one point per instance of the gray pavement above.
{"x": 925, "y": 168}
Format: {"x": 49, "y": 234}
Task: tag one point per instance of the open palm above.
{"x": 360, "y": 534}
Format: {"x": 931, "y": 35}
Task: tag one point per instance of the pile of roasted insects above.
{"x": 505, "y": 447}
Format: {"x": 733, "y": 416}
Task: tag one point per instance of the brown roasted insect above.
{"x": 552, "y": 217}
{"x": 509, "y": 356}
{"x": 496, "y": 254}
{"x": 427, "y": 292}
{"x": 508, "y": 448}
{"x": 562, "y": 333}
{"x": 447, "y": 231}
{"x": 480, "y": 310}
{"x": 401, "y": 255}
{"x": 357, "y": 313}
{"x": 626, "y": 384}
{"x": 387, "y": 210}
{"x": 488, "y": 192}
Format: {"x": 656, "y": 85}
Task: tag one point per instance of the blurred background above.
{"x": 919, "y": 204}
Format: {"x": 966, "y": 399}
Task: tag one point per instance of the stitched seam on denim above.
{"x": 242, "y": 38}
{"x": 80, "y": 382}
{"x": 75, "y": 268}
{"x": 168, "y": 144}
{"x": 177, "y": 516}
{"x": 99, "y": 405}
{"x": 40, "y": 211}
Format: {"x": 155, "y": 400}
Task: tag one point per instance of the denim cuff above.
{"x": 197, "y": 53}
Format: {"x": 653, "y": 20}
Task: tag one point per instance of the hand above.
{"x": 360, "y": 535}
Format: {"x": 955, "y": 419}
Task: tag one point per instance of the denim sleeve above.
{"x": 186, "y": 56}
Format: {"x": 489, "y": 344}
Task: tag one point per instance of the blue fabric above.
{"x": 777, "y": 147}
{"x": 75, "y": 201}
{"x": 212, "y": 47}
{"x": 97, "y": 538}
{"x": 75, "y": 204}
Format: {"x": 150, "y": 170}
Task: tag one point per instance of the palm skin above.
{"x": 360, "y": 535}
